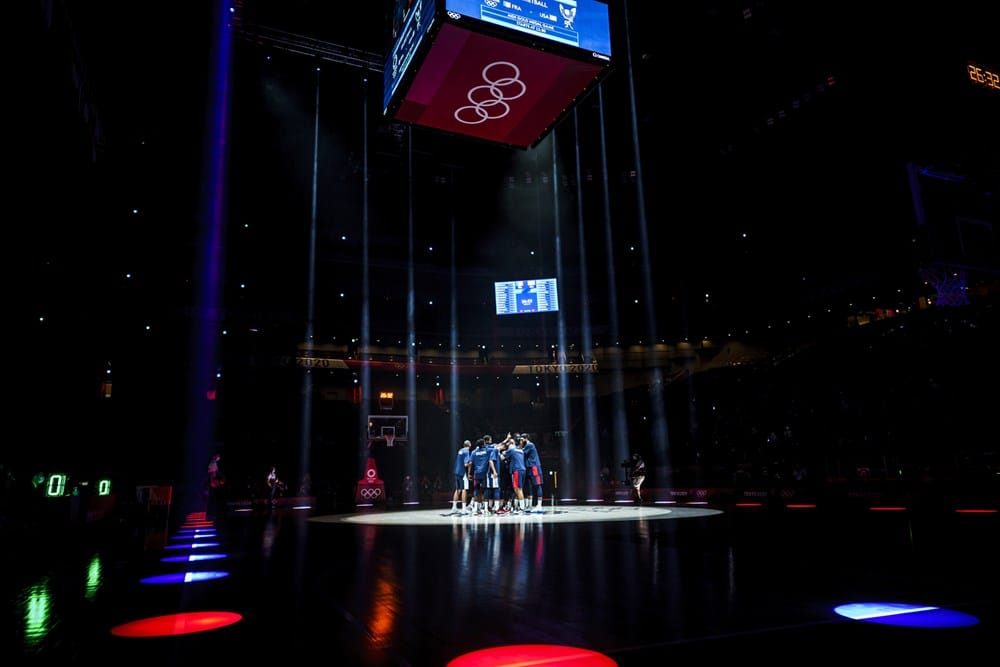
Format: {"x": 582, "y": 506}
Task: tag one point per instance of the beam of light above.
{"x": 619, "y": 428}
{"x": 455, "y": 413}
{"x": 305, "y": 426}
{"x": 209, "y": 265}
{"x": 192, "y": 558}
{"x": 412, "y": 470}
{"x": 192, "y": 545}
{"x": 191, "y": 533}
{"x": 365, "y": 334}
{"x": 592, "y": 456}
{"x": 902, "y": 614}
{"x": 171, "y": 625}
{"x": 196, "y": 528}
{"x": 918, "y": 204}
{"x": 566, "y": 455}
{"x": 658, "y": 427}
{"x": 184, "y": 577}
{"x": 197, "y": 536}
{"x": 201, "y": 534}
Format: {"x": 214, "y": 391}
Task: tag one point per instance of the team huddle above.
{"x": 498, "y": 478}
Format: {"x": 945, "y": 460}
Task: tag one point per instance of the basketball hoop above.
{"x": 388, "y": 437}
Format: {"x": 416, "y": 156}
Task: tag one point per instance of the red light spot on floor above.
{"x": 531, "y": 655}
{"x": 176, "y": 624}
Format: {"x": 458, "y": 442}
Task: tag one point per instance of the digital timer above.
{"x": 983, "y": 76}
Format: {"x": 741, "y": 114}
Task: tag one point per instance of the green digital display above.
{"x": 57, "y": 485}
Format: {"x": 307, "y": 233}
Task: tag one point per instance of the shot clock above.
{"x": 988, "y": 77}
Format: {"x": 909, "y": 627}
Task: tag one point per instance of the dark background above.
{"x": 773, "y": 145}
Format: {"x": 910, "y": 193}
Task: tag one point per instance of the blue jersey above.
{"x": 461, "y": 459}
{"x": 480, "y": 462}
{"x": 495, "y": 457}
{"x": 531, "y": 459}
{"x": 516, "y": 457}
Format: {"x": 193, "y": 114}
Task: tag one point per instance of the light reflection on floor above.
{"x": 550, "y": 514}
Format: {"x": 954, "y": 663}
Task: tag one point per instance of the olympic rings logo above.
{"x": 489, "y": 101}
{"x": 370, "y": 494}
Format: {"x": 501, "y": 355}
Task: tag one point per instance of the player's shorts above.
{"x": 480, "y": 482}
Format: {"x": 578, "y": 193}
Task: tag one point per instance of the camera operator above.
{"x": 274, "y": 486}
{"x": 636, "y": 475}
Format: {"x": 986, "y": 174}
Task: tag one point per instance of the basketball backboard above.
{"x": 388, "y": 427}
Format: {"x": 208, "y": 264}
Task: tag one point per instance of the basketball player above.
{"x": 515, "y": 455}
{"x": 534, "y": 477}
{"x": 480, "y": 472}
{"x": 461, "y": 493}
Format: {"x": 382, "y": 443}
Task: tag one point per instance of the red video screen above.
{"x": 492, "y": 89}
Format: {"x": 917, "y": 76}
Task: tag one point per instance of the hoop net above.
{"x": 388, "y": 437}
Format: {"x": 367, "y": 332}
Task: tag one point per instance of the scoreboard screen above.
{"x": 533, "y": 295}
{"x": 410, "y": 22}
{"x": 583, "y": 24}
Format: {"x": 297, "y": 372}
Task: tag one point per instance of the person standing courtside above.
{"x": 216, "y": 487}
{"x": 637, "y": 475}
{"x": 534, "y": 477}
{"x": 506, "y": 490}
{"x": 480, "y": 473}
{"x": 274, "y": 485}
{"x": 461, "y": 493}
{"x": 515, "y": 455}
{"x": 493, "y": 479}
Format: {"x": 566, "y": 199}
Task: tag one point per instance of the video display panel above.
{"x": 583, "y": 24}
{"x": 493, "y": 89}
{"x": 531, "y": 295}
{"x": 411, "y": 20}
{"x": 505, "y": 71}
